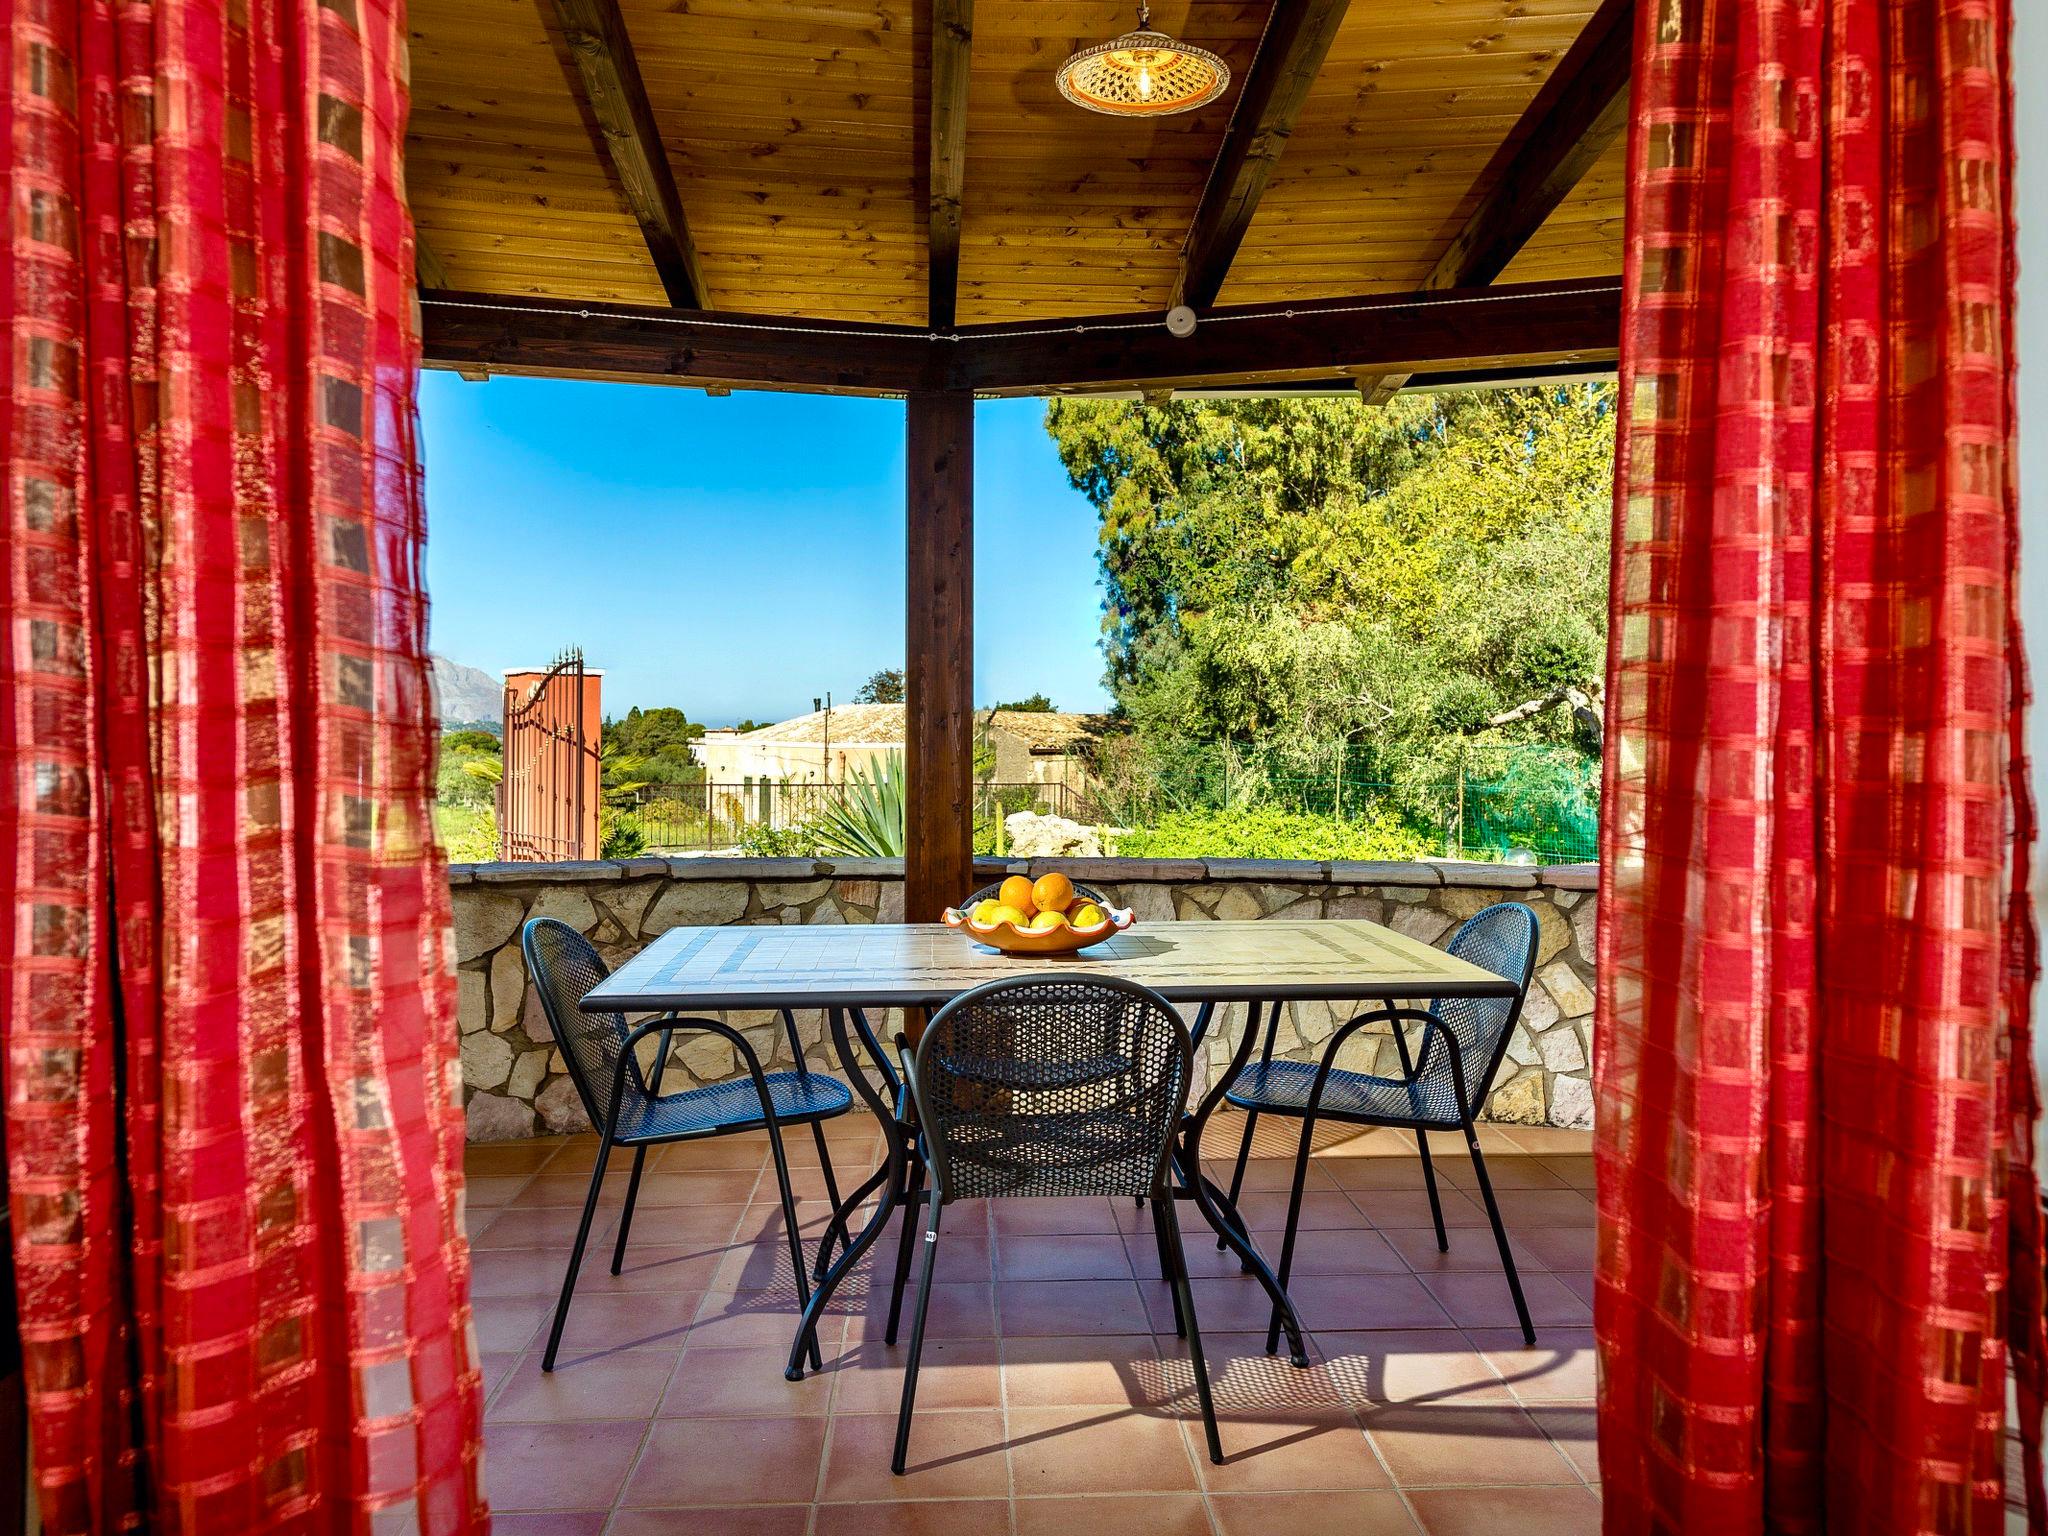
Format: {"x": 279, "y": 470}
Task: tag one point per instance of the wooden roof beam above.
{"x": 952, "y": 24}
{"x": 1574, "y": 120}
{"x": 596, "y": 34}
{"x": 1291, "y": 53}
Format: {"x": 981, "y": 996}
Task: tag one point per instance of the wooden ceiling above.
{"x": 791, "y": 152}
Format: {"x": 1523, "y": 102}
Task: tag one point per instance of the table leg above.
{"x": 891, "y": 1177}
{"x": 1213, "y": 1203}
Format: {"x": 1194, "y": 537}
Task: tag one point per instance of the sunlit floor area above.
{"x": 1055, "y": 1397}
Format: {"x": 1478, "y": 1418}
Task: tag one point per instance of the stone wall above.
{"x": 515, "y": 1084}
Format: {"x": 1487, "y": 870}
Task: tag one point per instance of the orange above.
{"x": 1053, "y": 892}
{"x": 1016, "y": 892}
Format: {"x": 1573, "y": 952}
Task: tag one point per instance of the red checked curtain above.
{"x": 1820, "y": 1248}
{"x": 233, "y": 1140}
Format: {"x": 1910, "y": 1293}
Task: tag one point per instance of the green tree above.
{"x": 1031, "y": 704}
{"x": 883, "y": 687}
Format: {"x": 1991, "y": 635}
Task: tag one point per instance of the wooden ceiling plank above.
{"x": 1297, "y": 40}
{"x": 1577, "y": 116}
{"x": 596, "y": 35}
{"x": 952, "y": 35}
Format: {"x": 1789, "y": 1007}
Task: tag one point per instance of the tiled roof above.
{"x": 882, "y": 725}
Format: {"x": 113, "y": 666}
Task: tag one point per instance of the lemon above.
{"x": 1046, "y": 921}
{"x": 1009, "y": 914}
{"x": 984, "y": 915}
{"x": 1089, "y": 915}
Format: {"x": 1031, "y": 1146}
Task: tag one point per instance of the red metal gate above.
{"x": 548, "y": 798}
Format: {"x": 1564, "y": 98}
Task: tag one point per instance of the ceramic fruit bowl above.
{"x": 1046, "y": 916}
{"x": 1062, "y": 940}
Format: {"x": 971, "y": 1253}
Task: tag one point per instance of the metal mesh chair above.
{"x": 1449, "y": 1051}
{"x": 1045, "y": 1085}
{"x": 625, "y": 1103}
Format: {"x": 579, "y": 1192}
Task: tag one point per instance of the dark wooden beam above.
{"x": 938, "y": 667}
{"x": 1397, "y": 332}
{"x": 550, "y": 336}
{"x": 596, "y": 35}
{"x": 952, "y": 37}
{"x": 1297, "y": 39}
{"x": 1574, "y": 120}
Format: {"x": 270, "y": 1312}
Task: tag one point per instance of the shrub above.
{"x": 765, "y": 842}
{"x": 469, "y": 833}
{"x": 1270, "y": 833}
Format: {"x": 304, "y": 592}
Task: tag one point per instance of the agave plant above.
{"x": 866, "y": 821}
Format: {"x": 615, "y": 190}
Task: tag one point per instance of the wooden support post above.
{"x": 938, "y": 835}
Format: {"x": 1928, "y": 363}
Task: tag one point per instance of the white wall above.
{"x": 2030, "y": 77}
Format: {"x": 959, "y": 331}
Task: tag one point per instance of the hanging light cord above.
{"x": 1056, "y": 328}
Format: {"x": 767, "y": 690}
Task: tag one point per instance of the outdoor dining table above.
{"x": 848, "y": 970}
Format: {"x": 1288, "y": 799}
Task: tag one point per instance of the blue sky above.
{"x": 737, "y": 556}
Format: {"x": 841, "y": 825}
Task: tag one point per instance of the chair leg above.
{"x": 796, "y": 1236}
{"x": 1244, "y": 1152}
{"x": 1166, "y": 1263}
{"x": 831, "y": 1194}
{"x": 1308, "y": 1131}
{"x": 903, "y": 1247}
{"x": 604, "y": 1152}
{"x": 924, "y": 1301}
{"x": 1436, "y": 1209}
{"x": 1184, "y": 1299}
{"x": 626, "y": 1216}
{"x": 1500, "y": 1234}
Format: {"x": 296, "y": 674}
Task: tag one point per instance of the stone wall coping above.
{"x": 1434, "y": 873}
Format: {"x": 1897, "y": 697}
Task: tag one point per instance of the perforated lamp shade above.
{"x": 1143, "y": 74}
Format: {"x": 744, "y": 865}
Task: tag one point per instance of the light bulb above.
{"x": 1144, "y": 83}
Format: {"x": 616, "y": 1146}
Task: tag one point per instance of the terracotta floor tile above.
{"x": 762, "y": 1266}
{"x": 585, "y": 1522}
{"x": 1245, "y": 1380}
{"x": 1579, "y": 1282}
{"x": 743, "y": 1383}
{"x": 956, "y": 1455}
{"x": 711, "y": 1186}
{"x": 1353, "y": 1250}
{"x": 741, "y": 1153}
{"x": 769, "y": 1520}
{"x": 1525, "y": 1511}
{"x": 1041, "y": 1308}
{"x": 1097, "y": 1450}
{"x": 1559, "y": 1247}
{"x": 1296, "y": 1452}
{"x": 954, "y": 1373}
{"x": 625, "y": 1385}
{"x": 1521, "y": 1209}
{"x": 1576, "y": 1169}
{"x": 929, "y": 1517}
{"x": 549, "y": 1190}
{"x": 1563, "y": 1366}
{"x": 1143, "y": 1514}
{"x": 602, "y": 1323}
{"x": 683, "y": 1227}
{"x": 1122, "y": 1371}
{"x": 515, "y": 1273}
{"x": 503, "y": 1157}
{"x": 1572, "y": 1429}
{"x": 1472, "y": 1248}
{"x": 575, "y": 1154}
{"x": 1267, "y": 1173}
{"x": 960, "y": 1309}
{"x": 1054, "y": 1215}
{"x": 497, "y": 1367}
{"x": 1428, "y": 1366}
{"x": 558, "y": 1466}
{"x": 1394, "y": 1174}
{"x": 1543, "y": 1140}
{"x": 1481, "y": 1299}
{"x": 762, "y": 1222}
{"x": 1464, "y": 1444}
{"x": 1393, "y": 1209}
{"x": 1074, "y": 1256}
{"x": 1503, "y": 1170}
{"x": 749, "y": 1319}
{"x": 1206, "y": 1261}
{"x": 1373, "y": 1512}
{"x": 1347, "y": 1302}
{"x": 1320, "y": 1208}
{"x": 487, "y": 1191}
{"x": 552, "y": 1228}
{"x": 1236, "y": 1304}
{"x": 652, "y": 1267}
{"x": 508, "y": 1324}
{"x": 751, "y": 1461}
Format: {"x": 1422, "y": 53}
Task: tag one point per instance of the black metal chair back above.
{"x": 1501, "y": 939}
{"x": 1046, "y": 1085}
{"x": 565, "y": 966}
